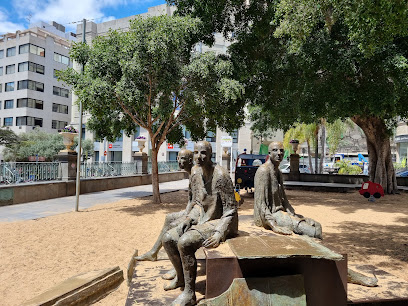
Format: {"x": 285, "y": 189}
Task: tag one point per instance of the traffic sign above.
{"x": 105, "y": 153}
{"x": 226, "y": 141}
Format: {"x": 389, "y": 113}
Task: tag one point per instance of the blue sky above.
{"x": 14, "y": 14}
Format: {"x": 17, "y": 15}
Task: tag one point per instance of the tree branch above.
{"x": 126, "y": 110}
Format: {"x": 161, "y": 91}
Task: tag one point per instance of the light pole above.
{"x": 78, "y": 174}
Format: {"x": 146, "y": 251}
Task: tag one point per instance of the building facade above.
{"x": 30, "y": 94}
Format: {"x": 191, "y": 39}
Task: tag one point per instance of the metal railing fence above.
{"x": 103, "y": 169}
{"x": 168, "y": 166}
{"x": 21, "y": 172}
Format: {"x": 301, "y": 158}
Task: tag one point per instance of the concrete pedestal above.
{"x": 141, "y": 162}
{"x": 294, "y": 174}
{"x": 68, "y": 162}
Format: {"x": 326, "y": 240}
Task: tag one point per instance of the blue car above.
{"x": 403, "y": 173}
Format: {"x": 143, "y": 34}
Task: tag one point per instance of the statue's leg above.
{"x": 280, "y": 223}
{"x": 170, "y": 240}
{"x": 188, "y": 244}
{"x": 308, "y": 227}
{"x": 168, "y": 224}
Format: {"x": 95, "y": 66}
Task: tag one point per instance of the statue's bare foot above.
{"x": 281, "y": 230}
{"x": 170, "y": 274}
{"x": 149, "y": 256}
{"x": 175, "y": 283}
{"x": 318, "y": 233}
{"x": 187, "y": 298}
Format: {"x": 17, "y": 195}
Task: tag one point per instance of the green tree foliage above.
{"x": 346, "y": 168}
{"x": 34, "y": 143}
{"x": 302, "y": 60}
{"x": 41, "y": 143}
{"x": 8, "y": 137}
{"x": 148, "y": 77}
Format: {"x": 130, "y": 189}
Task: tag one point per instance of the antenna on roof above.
{"x": 28, "y": 18}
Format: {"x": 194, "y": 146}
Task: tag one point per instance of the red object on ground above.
{"x": 369, "y": 188}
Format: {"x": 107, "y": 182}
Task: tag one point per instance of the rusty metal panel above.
{"x": 283, "y": 290}
{"x": 280, "y": 247}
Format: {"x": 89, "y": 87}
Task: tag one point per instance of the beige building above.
{"x": 401, "y": 142}
{"x": 30, "y": 94}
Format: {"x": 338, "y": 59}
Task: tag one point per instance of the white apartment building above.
{"x": 124, "y": 148}
{"x": 30, "y": 94}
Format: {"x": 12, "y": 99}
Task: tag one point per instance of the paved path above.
{"x": 40, "y": 209}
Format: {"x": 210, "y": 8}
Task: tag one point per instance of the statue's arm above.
{"x": 285, "y": 202}
{"x": 190, "y": 203}
{"x": 225, "y": 197}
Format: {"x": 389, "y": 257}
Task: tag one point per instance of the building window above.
{"x": 61, "y": 59}
{"x": 11, "y": 51}
{"x": 28, "y": 84}
{"x": 59, "y": 108}
{"x": 59, "y": 125}
{"x": 30, "y": 66}
{"x": 62, "y": 92}
{"x": 1, "y": 53}
{"x": 55, "y": 75}
{"x": 211, "y": 136}
{"x": 8, "y": 104}
{"x": 10, "y": 69}
{"x": 1, "y": 70}
{"x": 1, "y": 87}
{"x": 31, "y": 103}
{"x": 8, "y": 121}
{"x": 137, "y": 133}
{"x": 30, "y": 121}
{"x": 9, "y": 86}
{"x": 32, "y": 49}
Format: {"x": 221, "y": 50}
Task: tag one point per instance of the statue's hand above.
{"x": 184, "y": 226}
{"x": 213, "y": 241}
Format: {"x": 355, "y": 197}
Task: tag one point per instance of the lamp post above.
{"x": 78, "y": 176}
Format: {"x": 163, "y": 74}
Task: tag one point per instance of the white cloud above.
{"x": 67, "y": 11}
{"x": 7, "y": 26}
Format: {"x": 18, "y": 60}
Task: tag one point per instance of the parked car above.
{"x": 403, "y": 173}
{"x": 285, "y": 168}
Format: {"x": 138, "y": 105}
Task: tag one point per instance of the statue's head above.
{"x": 185, "y": 159}
{"x": 202, "y": 153}
{"x": 275, "y": 151}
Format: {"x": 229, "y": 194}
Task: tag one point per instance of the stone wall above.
{"x": 339, "y": 179}
{"x": 30, "y": 192}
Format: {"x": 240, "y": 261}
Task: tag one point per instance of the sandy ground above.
{"x": 38, "y": 254}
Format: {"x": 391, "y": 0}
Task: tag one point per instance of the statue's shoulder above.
{"x": 220, "y": 172}
{"x": 264, "y": 168}
{"x": 195, "y": 170}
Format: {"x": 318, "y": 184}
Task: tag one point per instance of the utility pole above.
{"x": 78, "y": 176}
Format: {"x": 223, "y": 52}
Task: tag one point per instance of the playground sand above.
{"x": 38, "y": 254}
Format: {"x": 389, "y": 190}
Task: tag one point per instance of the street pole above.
{"x": 78, "y": 174}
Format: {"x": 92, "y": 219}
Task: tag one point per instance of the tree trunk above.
{"x": 155, "y": 175}
{"x": 309, "y": 153}
{"x": 381, "y": 168}
{"x": 323, "y": 144}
